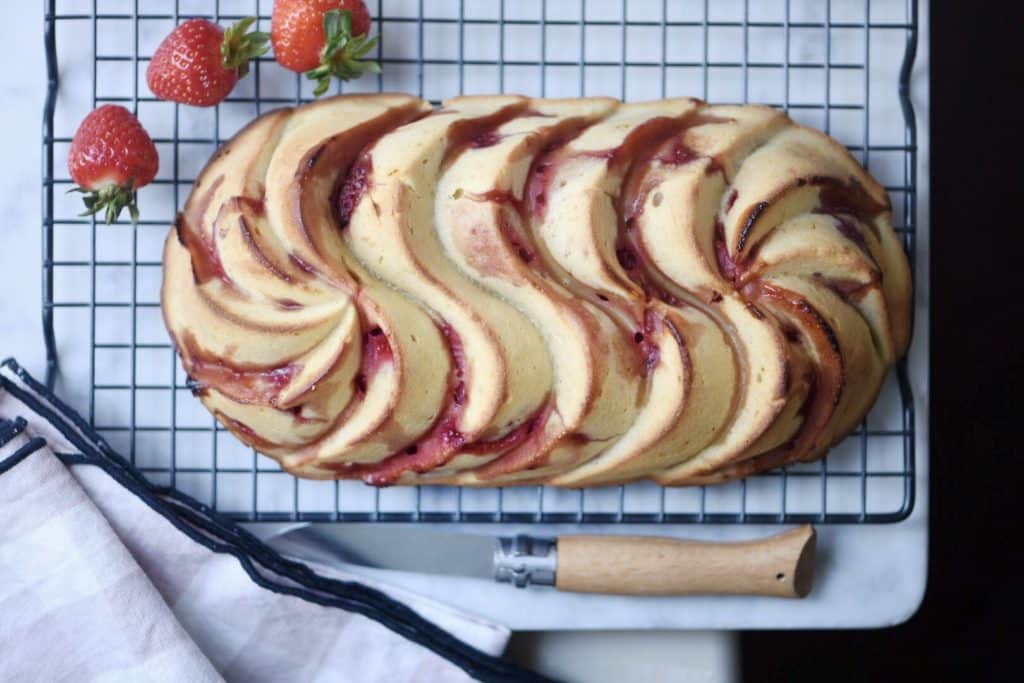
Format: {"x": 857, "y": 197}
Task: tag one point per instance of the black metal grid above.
{"x": 103, "y": 327}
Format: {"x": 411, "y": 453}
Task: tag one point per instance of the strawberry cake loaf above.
{"x": 506, "y": 290}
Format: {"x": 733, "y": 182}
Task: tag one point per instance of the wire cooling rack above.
{"x": 841, "y": 66}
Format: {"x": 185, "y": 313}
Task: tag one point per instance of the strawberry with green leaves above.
{"x": 199, "y": 63}
{"x": 111, "y": 157}
{"x": 324, "y": 39}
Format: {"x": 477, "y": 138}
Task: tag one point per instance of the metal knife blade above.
{"x": 399, "y": 548}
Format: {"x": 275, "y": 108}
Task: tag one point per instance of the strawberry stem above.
{"x": 342, "y": 52}
{"x": 111, "y": 200}
{"x": 240, "y": 47}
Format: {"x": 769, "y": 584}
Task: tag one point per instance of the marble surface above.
{"x": 617, "y": 656}
{"x": 867, "y": 576}
{"x": 21, "y": 89}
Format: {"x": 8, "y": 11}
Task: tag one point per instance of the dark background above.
{"x": 972, "y": 611}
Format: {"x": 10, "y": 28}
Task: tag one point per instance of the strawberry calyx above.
{"x": 111, "y": 200}
{"x": 240, "y": 46}
{"x": 342, "y": 52}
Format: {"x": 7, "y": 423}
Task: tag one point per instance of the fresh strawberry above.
{"x": 111, "y": 157}
{"x": 198, "y": 63}
{"x": 323, "y": 38}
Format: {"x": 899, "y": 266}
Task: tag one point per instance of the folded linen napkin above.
{"x": 106, "y": 577}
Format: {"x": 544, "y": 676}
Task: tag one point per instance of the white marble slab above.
{"x": 869, "y": 576}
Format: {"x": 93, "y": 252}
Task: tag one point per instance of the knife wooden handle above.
{"x": 781, "y": 565}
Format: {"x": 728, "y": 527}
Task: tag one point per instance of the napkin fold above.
{"x": 106, "y": 576}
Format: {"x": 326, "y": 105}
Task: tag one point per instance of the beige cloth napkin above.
{"x": 97, "y": 585}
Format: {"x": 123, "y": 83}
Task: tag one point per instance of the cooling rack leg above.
{"x": 52, "y": 83}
